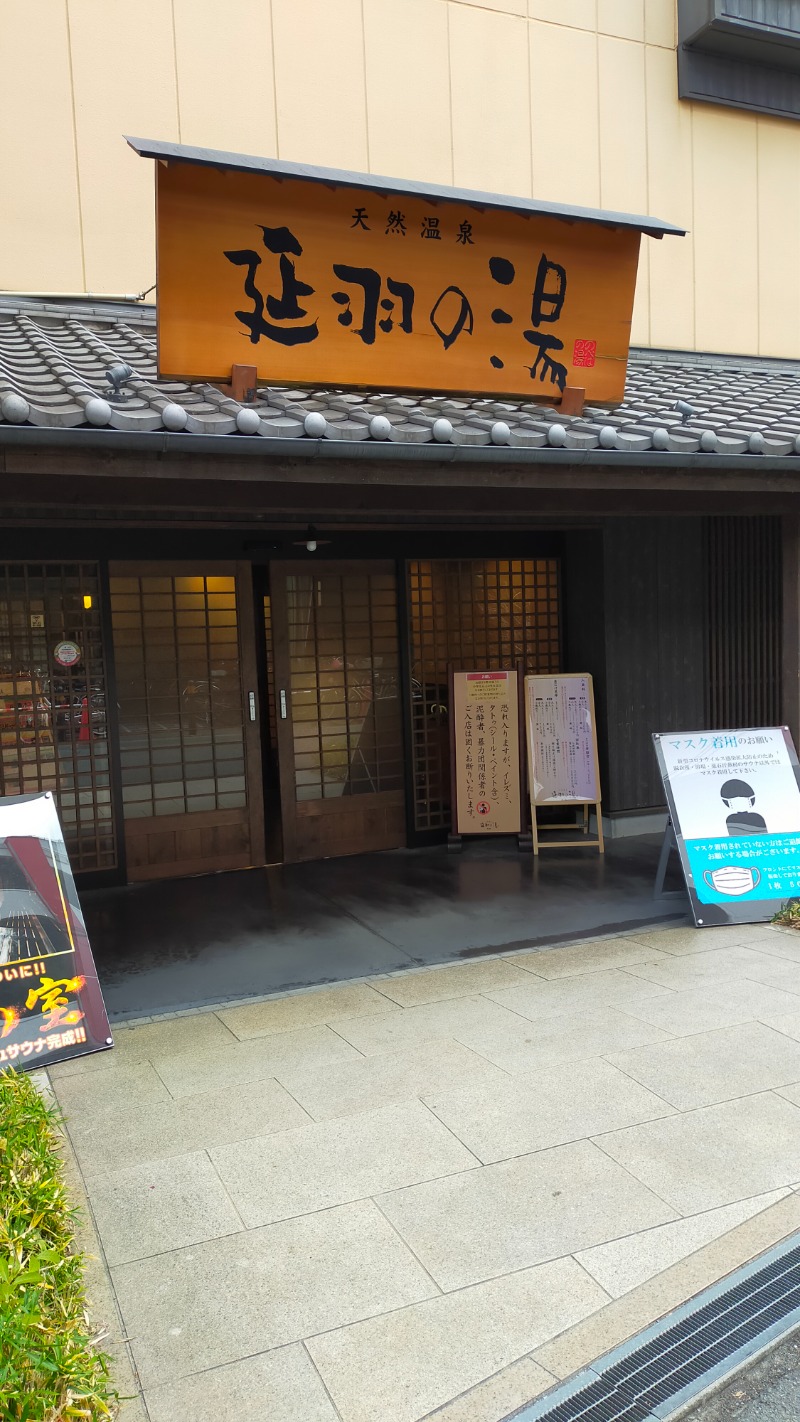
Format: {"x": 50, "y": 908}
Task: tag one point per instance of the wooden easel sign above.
{"x": 484, "y": 740}
{"x": 561, "y": 734}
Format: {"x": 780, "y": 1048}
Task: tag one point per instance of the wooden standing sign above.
{"x": 562, "y": 754}
{"x": 484, "y": 730}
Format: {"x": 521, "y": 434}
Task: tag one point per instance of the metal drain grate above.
{"x": 648, "y": 1378}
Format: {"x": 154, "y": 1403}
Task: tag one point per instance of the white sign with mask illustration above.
{"x": 734, "y": 800}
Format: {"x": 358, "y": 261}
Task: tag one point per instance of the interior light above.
{"x": 87, "y": 600}
{"x": 311, "y": 540}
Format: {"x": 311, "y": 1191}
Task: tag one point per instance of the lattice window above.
{"x": 53, "y": 716}
{"x": 180, "y": 695}
{"x": 344, "y": 684}
{"x": 491, "y": 613}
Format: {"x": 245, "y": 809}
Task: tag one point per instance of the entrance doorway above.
{"x": 187, "y": 702}
{"x": 338, "y": 712}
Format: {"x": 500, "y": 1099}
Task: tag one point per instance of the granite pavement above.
{"x": 435, "y": 1193}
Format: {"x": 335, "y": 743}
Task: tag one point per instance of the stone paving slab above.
{"x": 332, "y": 1162}
{"x": 193, "y": 1073}
{"x": 521, "y": 1212}
{"x": 363, "y": 1085}
{"x": 109, "y": 1133}
{"x": 433, "y": 1193}
{"x": 161, "y": 1205}
{"x": 700, "y": 969}
{"x": 716, "y": 1155}
{"x": 549, "y": 1107}
{"x": 725, "y": 1004}
{"x": 714, "y": 1066}
{"x": 281, "y": 1386}
{"x": 621, "y": 1319}
{"x": 226, "y": 1299}
{"x": 438, "y": 984}
{"x": 305, "y": 1009}
{"x": 624, "y": 1263}
{"x": 404, "y": 1364}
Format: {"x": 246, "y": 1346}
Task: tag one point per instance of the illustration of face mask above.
{"x": 733, "y": 879}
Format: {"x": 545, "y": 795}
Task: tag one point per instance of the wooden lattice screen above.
{"x": 743, "y": 582}
{"x": 495, "y": 612}
{"x": 53, "y": 715}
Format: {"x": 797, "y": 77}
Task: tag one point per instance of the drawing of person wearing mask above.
{"x": 738, "y": 797}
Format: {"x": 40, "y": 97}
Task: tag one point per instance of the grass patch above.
{"x": 50, "y": 1369}
{"x": 789, "y": 915}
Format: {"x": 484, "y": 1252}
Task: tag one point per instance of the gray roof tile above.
{"x": 54, "y": 361}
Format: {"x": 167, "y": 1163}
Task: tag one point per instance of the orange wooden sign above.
{"x": 319, "y": 284}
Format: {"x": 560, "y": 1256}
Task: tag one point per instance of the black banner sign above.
{"x": 51, "y": 1006}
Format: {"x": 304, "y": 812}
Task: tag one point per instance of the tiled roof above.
{"x": 54, "y": 361}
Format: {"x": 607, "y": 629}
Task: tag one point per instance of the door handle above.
{"x": 252, "y": 701}
{"x": 283, "y": 705}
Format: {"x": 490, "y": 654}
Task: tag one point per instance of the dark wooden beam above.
{"x": 94, "y": 499}
{"x": 370, "y": 474}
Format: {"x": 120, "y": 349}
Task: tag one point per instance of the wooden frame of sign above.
{"x": 486, "y": 779}
{"x": 563, "y": 768}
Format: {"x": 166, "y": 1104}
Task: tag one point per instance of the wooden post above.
{"x": 572, "y": 400}
{"x": 243, "y": 384}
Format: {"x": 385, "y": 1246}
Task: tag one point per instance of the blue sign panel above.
{"x": 734, "y": 801}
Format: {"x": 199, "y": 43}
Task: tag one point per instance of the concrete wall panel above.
{"x": 237, "y": 70}
{"x": 564, "y": 80}
{"x": 573, "y": 100}
{"x": 669, "y": 185}
{"x": 490, "y": 88}
{"x": 725, "y": 170}
{"x": 319, "y": 81}
{"x": 406, "y": 49}
{"x": 123, "y": 63}
{"x": 40, "y": 245}
{"x": 778, "y": 246}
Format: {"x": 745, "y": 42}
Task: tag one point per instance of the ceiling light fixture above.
{"x": 311, "y": 542}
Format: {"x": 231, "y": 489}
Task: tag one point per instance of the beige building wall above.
{"x": 569, "y": 100}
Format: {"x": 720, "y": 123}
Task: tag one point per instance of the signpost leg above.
{"x": 577, "y": 826}
{"x": 670, "y": 843}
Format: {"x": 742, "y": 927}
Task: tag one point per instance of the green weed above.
{"x": 50, "y": 1369}
{"x": 789, "y": 915}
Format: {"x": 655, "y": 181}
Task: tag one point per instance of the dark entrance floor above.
{"x": 190, "y": 942}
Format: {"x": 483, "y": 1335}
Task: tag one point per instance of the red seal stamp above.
{"x": 584, "y": 353}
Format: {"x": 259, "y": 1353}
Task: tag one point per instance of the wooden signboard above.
{"x": 51, "y": 1006}
{"x": 324, "y": 283}
{"x": 563, "y": 769}
{"x": 484, "y": 730}
{"x": 734, "y": 803}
